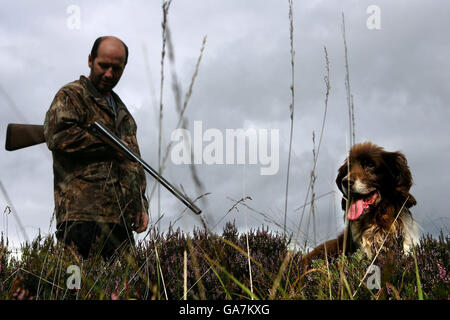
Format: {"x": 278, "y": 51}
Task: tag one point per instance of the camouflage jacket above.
{"x": 91, "y": 181}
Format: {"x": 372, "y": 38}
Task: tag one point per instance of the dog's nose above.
{"x": 347, "y": 183}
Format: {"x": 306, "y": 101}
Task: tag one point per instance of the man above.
{"x": 99, "y": 194}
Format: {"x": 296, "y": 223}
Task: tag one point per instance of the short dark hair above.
{"x": 94, "y": 50}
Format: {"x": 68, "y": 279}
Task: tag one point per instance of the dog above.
{"x": 375, "y": 185}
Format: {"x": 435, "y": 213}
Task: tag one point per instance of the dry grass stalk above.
{"x": 276, "y": 284}
{"x": 291, "y": 108}
{"x": 13, "y": 211}
{"x": 351, "y": 118}
{"x": 181, "y": 116}
{"x": 13, "y": 106}
{"x": 149, "y": 76}
{"x": 196, "y": 268}
{"x": 246, "y": 234}
{"x": 351, "y": 108}
{"x": 316, "y": 153}
{"x": 176, "y": 88}
{"x": 185, "y": 275}
{"x": 165, "y": 7}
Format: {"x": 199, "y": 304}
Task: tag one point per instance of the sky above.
{"x": 398, "y": 70}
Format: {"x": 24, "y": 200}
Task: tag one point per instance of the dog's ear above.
{"x": 342, "y": 172}
{"x": 343, "y": 204}
{"x": 401, "y": 175}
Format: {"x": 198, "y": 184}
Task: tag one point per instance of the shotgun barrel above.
{"x": 102, "y": 132}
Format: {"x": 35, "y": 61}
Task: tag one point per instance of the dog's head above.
{"x": 370, "y": 175}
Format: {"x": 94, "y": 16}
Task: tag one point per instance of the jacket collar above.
{"x": 101, "y": 100}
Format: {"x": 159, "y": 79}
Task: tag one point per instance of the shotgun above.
{"x": 20, "y": 136}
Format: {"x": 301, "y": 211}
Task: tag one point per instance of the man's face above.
{"x": 108, "y": 66}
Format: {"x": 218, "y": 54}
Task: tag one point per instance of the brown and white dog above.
{"x": 375, "y": 184}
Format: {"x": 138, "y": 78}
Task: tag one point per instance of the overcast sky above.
{"x": 399, "y": 76}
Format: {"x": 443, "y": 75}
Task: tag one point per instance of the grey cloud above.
{"x": 398, "y": 78}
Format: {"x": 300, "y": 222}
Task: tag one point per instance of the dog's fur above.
{"x": 378, "y": 181}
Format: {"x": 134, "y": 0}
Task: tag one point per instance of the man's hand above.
{"x": 141, "y": 222}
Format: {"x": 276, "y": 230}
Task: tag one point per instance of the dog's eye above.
{"x": 367, "y": 163}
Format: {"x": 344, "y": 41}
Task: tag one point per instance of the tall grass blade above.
{"x": 291, "y": 108}
{"x": 419, "y": 284}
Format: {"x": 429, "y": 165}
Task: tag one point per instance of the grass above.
{"x": 202, "y": 265}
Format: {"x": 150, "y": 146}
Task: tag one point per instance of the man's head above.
{"x": 107, "y": 60}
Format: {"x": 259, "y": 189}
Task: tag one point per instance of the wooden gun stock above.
{"x": 20, "y": 136}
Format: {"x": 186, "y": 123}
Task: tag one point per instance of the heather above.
{"x": 202, "y": 265}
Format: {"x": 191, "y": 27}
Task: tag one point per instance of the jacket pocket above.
{"x": 98, "y": 172}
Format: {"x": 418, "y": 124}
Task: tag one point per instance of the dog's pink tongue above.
{"x": 355, "y": 210}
